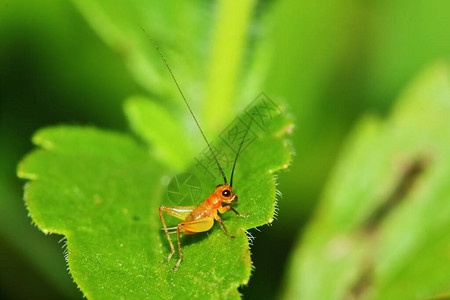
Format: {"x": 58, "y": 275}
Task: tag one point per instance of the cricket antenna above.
{"x": 188, "y": 106}
{"x": 237, "y": 154}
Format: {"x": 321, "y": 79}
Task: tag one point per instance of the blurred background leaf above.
{"x": 381, "y": 230}
{"x": 329, "y": 61}
{"x": 144, "y": 117}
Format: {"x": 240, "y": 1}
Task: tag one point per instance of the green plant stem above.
{"x": 229, "y": 37}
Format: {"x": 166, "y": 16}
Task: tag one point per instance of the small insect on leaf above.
{"x": 201, "y": 218}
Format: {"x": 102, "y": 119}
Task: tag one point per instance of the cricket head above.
{"x": 226, "y": 194}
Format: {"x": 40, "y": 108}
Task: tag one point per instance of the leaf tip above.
{"x": 26, "y": 175}
{"x": 22, "y": 170}
{"x": 39, "y": 140}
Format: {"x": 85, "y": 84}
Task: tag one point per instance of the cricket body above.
{"x": 200, "y": 218}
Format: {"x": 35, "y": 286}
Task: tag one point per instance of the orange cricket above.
{"x": 200, "y": 218}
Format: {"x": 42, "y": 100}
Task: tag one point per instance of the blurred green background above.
{"x": 329, "y": 62}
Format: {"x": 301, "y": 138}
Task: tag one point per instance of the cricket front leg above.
{"x": 226, "y": 208}
{"x": 223, "y": 226}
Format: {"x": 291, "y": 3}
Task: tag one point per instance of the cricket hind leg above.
{"x": 188, "y": 227}
{"x": 180, "y": 252}
{"x": 191, "y": 227}
{"x": 166, "y": 230}
{"x": 180, "y": 212}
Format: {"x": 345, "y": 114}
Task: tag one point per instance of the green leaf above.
{"x": 381, "y": 230}
{"x": 102, "y": 191}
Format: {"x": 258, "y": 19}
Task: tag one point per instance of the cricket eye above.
{"x": 226, "y": 193}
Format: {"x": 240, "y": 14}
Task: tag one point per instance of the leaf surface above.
{"x": 102, "y": 191}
